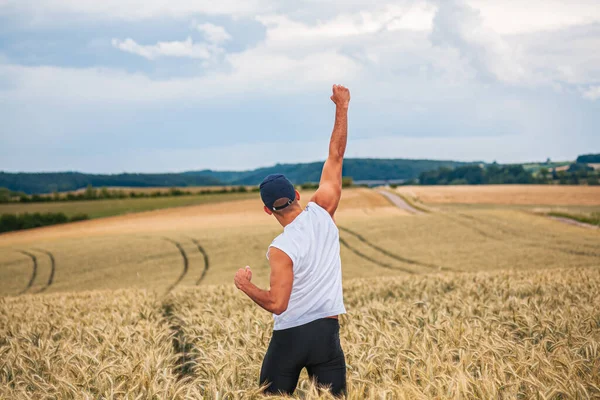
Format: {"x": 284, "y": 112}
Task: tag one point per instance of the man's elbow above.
{"x": 335, "y": 155}
{"x": 279, "y": 308}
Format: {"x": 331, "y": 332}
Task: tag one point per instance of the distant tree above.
{"x": 79, "y": 217}
{"x": 588, "y": 159}
{"x": 563, "y": 178}
{"x": 90, "y": 193}
{"x": 9, "y": 222}
{"x": 175, "y": 192}
{"x": 476, "y": 175}
{"x": 544, "y": 173}
{"x": 5, "y": 195}
{"x": 309, "y": 185}
{"x": 104, "y": 193}
{"x": 577, "y": 167}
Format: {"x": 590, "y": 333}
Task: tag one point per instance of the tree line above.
{"x": 15, "y": 222}
{"x": 359, "y": 169}
{"x": 576, "y": 174}
{"x": 91, "y": 193}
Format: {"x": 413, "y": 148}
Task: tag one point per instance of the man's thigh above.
{"x": 331, "y": 374}
{"x": 280, "y": 368}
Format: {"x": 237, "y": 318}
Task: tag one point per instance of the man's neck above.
{"x": 288, "y": 217}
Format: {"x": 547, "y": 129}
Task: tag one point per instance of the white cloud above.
{"x": 461, "y": 27}
{"x": 592, "y": 93}
{"x": 517, "y": 16}
{"x": 408, "y": 63}
{"x": 284, "y": 32}
{"x": 250, "y": 73}
{"x": 186, "y": 48}
{"x": 213, "y": 33}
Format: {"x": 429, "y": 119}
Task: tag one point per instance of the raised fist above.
{"x": 242, "y": 277}
{"x": 341, "y": 96}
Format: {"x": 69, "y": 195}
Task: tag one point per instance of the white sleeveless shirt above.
{"x": 311, "y": 240}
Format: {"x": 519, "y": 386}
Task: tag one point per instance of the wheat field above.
{"x": 554, "y": 195}
{"x": 526, "y": 334}
{"x": 460, "y": 302}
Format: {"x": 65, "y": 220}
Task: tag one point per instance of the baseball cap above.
{"x": 275, "y": 187}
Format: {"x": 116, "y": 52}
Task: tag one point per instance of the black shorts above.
{"x": 316, "y": 346}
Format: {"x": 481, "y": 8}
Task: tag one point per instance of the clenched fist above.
{"x": 341, "y": 96}
{"x": 242, "y": 277}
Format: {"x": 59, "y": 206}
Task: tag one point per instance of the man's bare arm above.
{"x": 330, "y": 187}
{"x": 275, "y": 299}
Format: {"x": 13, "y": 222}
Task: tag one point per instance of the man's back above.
{"x": 312, "y": 243}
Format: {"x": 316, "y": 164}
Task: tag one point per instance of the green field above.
{"x": 110, "y": 207}
{"x": 535, "y": 167}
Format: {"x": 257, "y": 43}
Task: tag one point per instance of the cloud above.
{"x": 283, "y": 31}
{"x": 429, "y": 79}
{"x": 592, "y": 93}
{"x": 213, "y": 33}
{"x": 459, "y": 26}
{"x": 508, "y": 17}
{"x": 252, "y": 72}
{"x": 186, "y": 48}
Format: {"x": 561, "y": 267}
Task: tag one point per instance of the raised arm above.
{"x": 330, "y": 187}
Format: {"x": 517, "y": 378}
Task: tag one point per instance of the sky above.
{"x": 164, "y": 86}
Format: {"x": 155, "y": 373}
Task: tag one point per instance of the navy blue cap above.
{"x": 275, "y": 187}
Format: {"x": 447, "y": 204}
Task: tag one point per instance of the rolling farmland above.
{"x": 478, "y": 298}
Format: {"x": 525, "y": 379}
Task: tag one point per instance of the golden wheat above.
{"x": 533, "y": 334}
{"x": 505, "y": 194}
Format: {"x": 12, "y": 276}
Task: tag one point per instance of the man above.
{"x": 305, "y": 296}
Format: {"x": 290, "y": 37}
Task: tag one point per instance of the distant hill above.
{"x": 48, "y": 182}
{"x": 360, "y": 169}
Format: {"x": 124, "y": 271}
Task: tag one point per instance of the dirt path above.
{"x": 399, "y": 202}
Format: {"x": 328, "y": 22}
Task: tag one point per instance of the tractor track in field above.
{"x": 462, "y": 222}
{"x": 52, "y": 269}
{"x": 393, "y": 255}
{"x": 205, "y": 257}
{"x": 184, "y": 349}
{"x": 374, "y": 261}
{"x": 33, "y": 272}
{"x": 185, "y": 259}
{"x": 518, "y": 235}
